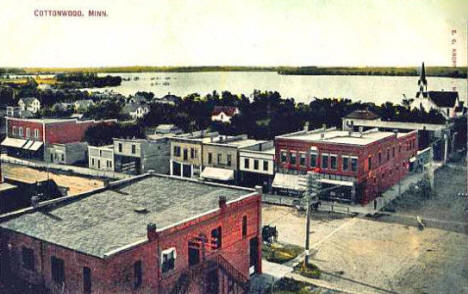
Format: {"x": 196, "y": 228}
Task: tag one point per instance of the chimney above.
{"x": 259, "y": 189}
{"x": 360, "y": 131}
{"x": 306, "y": 126}
{"x": 222, "y": 202}
{"x": 151, "y": 231}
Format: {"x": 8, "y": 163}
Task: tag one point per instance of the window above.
{"x": 265, "y": 165}
{"x": 28, "y": 258}
{"x": 393, "y": 152}
{"x": 62, "y": 157}
{"x": 185, "y": 153}
{"x": 220, "y": 158}
{"x": 21, "y": 131}
{"x": 57, "y": 269}
{"x": 28, "y": 132}
{"x": 333, "y": 161}
{"x": 229, "y": 159}
{"x": 399, "y": 149}
{"x": 133, "y": 149}
{"x": 210, "y": 158}
{"x": 255, "y": 164}
{"x": 176, "y": 151}
{"x": 246, "y": 162}
{"x": 216, "y": 238}
{"x": 109, "y": 164}
{"x": 345, "y": 163}
{"x": 244, "y": 226}
{"x": 324, "y": 160}
{"x": 354, "y": 164}
{"x": 138, "y": 273}
{"x": 292, "y": 158}
{"x": 302, "y": 159}
{"x": 380, "y": 157}
{"x": 192, "y": 152}
{"x": 36, "y": 133}
{"x": 388, "y": 153}
{"x": 86, "y": 280}
{"x": 369, "y": 162}
{"x": 313, "y": 159}
{"x": 284, "y": 156}
{"x": 13, "y": 130}
{"x": 92, "y": 161}
{"x": 120, "y": 147}
{"x": 168, "y": 260}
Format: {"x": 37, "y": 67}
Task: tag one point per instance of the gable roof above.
{"x": 228, "y": 110}
{"x": 29, "y": 100}
{"x": 443, "y": 98}
{"x": 362, "y": 114}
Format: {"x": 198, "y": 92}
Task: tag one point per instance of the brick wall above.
{"x": 115, "y": 274}
{"x": 24, "y": 124}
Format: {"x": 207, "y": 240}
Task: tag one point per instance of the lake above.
{"x": 377, "y": 89}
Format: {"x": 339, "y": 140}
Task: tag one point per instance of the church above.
{"x": 446, "y": 102}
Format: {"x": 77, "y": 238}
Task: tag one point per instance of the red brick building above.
{"x": 150, "y": 234}
{"x": 364, "y": 164}
{"x": 29, "y": 137}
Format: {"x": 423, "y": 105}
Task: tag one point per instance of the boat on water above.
{"x": 166, "y": 83}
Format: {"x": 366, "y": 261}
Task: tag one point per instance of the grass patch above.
{"x": 281, "y": 253}
{"x": 309, "y": 270}
{"x": 289, "y": 286}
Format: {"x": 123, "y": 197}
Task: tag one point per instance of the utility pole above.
{"x": 312, "y": 191}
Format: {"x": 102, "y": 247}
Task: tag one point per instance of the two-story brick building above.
{"x": 149, "y": 234}
{"x": 363, "y": 164}
{"x": 37, "y": 138}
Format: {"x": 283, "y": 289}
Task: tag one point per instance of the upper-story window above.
{"x": 216, "y": 238}
{"x": 292, "y": 157}
{"x": 302, "y": 159}
{"x": 380, "y": 157}
{"x": 168, "y": 258}
{"x": 210, "y": 157}
{"x": 57, "y": 269}
{"x": 120, "y": 147}
{"x": 28, "y": 258}
{"x": 192, "y": 152}
{"x": 369, "y": 162}
{"x": 13, "y": 130}
{"x": 313, "y": 159}
{"x": 354, "y": 164}
{"x": 393, "y": 152}
{"x": 324, "y": 160}
{"x": 265, "y": 165}
{"x": 137, "y": 274}
{"x": 284, "y": 156}
{"x": 244, "y": 226}
{"x": 345, "y": 162}
{"x": 220, "y": 158}
{"x": 20, "y": 131}
{"x": 185, "y": 154}
{"x": 176, "y": 151}
{"x": 28, "y": 132}
{"x": 388, "y": 153}
{"x": 256, "y": 164}
{"x": 229, "y": 159}
{"x": 36, "y": 133}
{"x": 333, "y": 161}
{"x": 133, "y": 149}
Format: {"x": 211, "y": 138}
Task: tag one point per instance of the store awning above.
{"x": 336, "y": 182}
{"x": 220, "y": 174}
{"x": 36, "y": 146}
{"x": 13, "y": 142}
{"x": 28, "y": 144}
{"x": 290, "y": 182}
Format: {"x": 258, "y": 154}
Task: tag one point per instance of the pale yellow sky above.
{"x": 237, "y": 32}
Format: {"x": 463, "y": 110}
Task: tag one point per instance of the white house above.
{"x": 224, "y": 113}
{"x": 83, "y": 105}
{"x": 30, "y": 104}
{"x": 136, "y": 110}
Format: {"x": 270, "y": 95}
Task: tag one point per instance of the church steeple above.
{"x": 422, "y": 82}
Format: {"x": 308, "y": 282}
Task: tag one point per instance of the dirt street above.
{"x": 389, "y": 254}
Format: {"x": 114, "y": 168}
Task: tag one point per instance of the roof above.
{"x": 339, "y": 137}
{"x": 29, "y": 100}
{"x": 362, "y": 114}
{"x": 444, "y": 98}
{"x": 84, "y": 102}
{"x": 106, "y": 221}
{"x": 228, "y": 110}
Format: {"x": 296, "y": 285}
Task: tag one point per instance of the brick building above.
{"x": 35, "y": 138}
{"x": 149, "y": 234}
{"x": 361, "y": 164}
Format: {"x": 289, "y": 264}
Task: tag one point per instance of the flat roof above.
{"x": 106, "y": 221}
{"x": 237, "y": 143}
{"x": 341, "y": 137}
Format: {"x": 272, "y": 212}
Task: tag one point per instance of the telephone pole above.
{"x": 312, "y": 190}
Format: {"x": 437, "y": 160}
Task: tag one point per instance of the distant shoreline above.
{"x": 434, "y": 71}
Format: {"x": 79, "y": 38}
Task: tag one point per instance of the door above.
{"x": 194, "y": 253}
{"x": 253, "y": 246}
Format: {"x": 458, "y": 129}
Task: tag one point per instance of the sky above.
{"x": 237, "y": 32}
